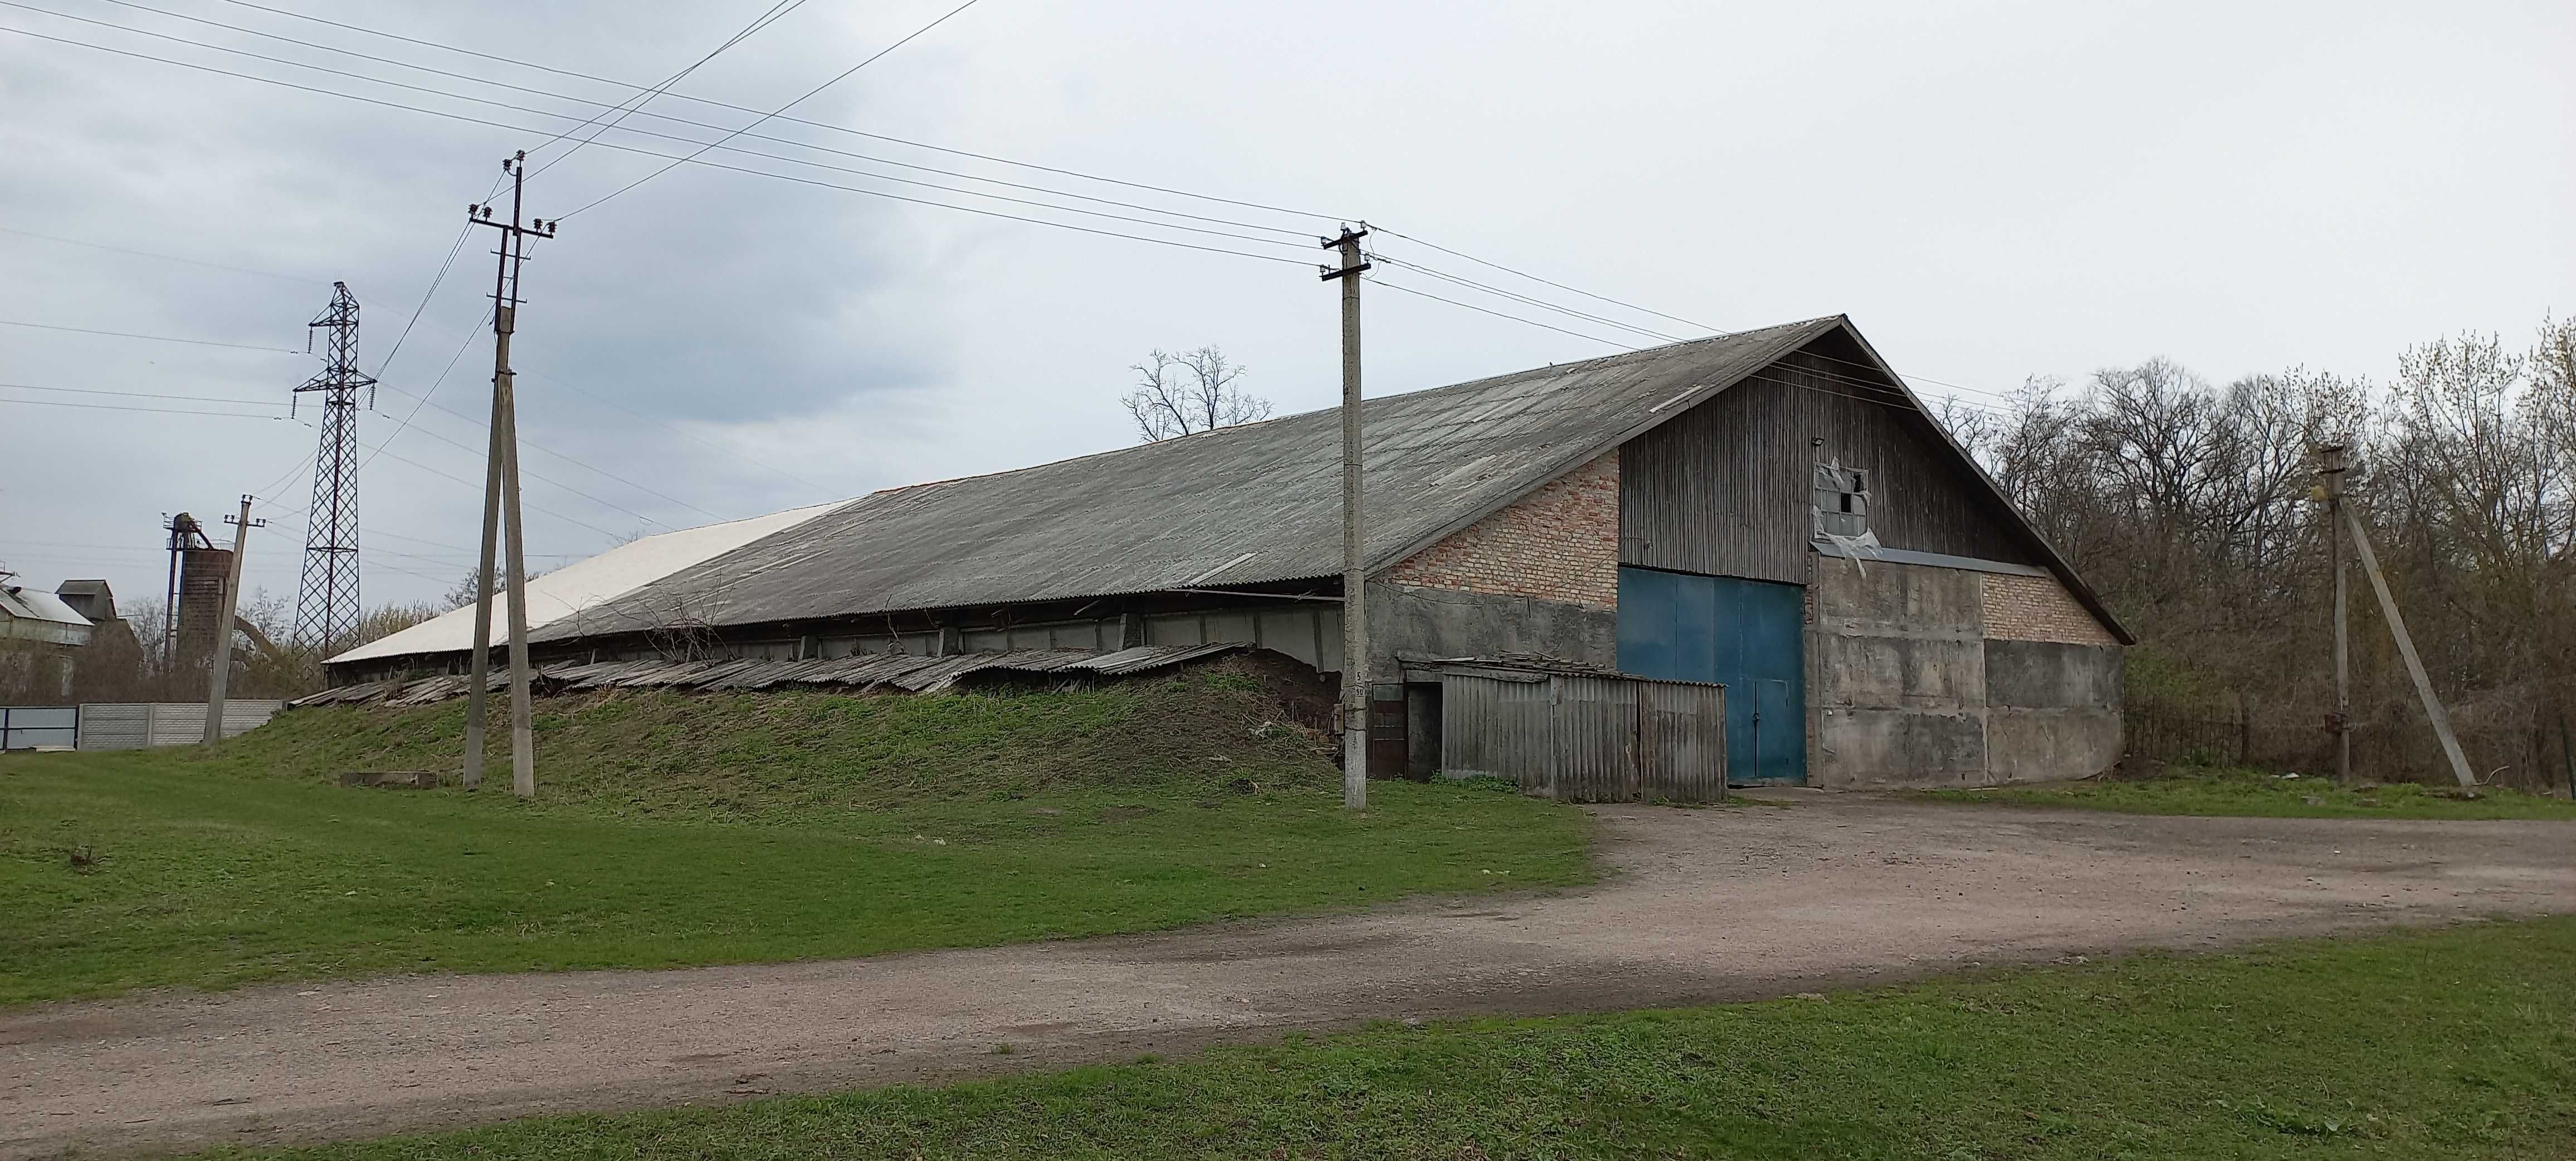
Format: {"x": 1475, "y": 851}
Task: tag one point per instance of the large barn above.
{"x": 1771, "y": 511}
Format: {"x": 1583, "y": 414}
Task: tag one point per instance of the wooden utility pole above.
{"x": 502, "y": 469}
{"x": 2334, "y": 460}
{"x": 219, "y": 667}
{"x": 1355, "y": 672}
{"x": 2406, "y": 650}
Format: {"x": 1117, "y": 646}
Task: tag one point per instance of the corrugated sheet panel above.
{"x": 1586, "y": 738}
{"x": 905, "y": 671}
{"x": 1681, "y": 737}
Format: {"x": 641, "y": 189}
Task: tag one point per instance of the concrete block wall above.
{"x": 1927, "y": 676}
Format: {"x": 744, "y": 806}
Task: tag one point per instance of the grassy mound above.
{"x": 679, "y": 829}
{"x": 790, "y": 752}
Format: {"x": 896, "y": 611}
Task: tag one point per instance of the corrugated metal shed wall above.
{"x": 1584, "y": 738}
{"x": 1725, "y": 489}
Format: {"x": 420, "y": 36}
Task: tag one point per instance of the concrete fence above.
{"x": 127, "y": 725}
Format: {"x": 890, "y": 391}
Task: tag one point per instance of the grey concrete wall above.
{"x": 1905, "y": 690}
{"x": 2052, "y": 710}
{"x": 1416, "y": 623}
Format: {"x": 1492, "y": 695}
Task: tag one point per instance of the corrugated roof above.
{"x": 903, "y": 671}
{"x": 36, "y": 604}
{"x": 1236, "y": 506}
{"x": 563, "y": 596}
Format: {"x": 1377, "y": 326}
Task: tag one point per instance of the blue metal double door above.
{"x": 1747, "y": 635}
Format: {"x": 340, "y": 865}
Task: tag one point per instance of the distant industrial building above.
{"x": 1772, "y": 511}
{"x": 64, "y": 644}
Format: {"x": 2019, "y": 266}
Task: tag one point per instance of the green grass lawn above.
{"x": 725, "y": 830}
{"x": 2425, "y": 1045}
{"x": 2258, "y": 793}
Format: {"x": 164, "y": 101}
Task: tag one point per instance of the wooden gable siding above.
{"x": 1725, "y": 488}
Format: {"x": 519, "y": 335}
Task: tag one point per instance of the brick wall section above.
{"x": 1559, "y": 543}
{"x": 2038, "y": 608}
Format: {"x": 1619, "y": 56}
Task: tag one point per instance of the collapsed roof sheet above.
{"x": 902, "y": 671}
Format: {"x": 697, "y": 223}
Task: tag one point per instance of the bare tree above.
{"x": 1188, "y": 393}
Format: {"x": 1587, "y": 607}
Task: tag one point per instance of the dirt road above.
{"x": 1706, "y": 905}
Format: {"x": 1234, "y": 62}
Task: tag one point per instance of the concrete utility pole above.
{"x": 2334, "y": 460}
{"x": 2406, "y": 650}
{"x": 219, "y": 668}
{"x": 1355, "y": 675}
{"x": 501, "y": 501}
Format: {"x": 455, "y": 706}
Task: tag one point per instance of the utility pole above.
{"x": 2406, "y": 651}
{"x": 219, "y": 668}
{"x": 501, "y": 504}
{"x": 2334, "y": 461}
{"x": 326, "y": 603}
{"x": 1355, "y": 674}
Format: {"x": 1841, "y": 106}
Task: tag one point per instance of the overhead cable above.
{"x": 670, "y": 157}
{"x": 801, "y": 99}
{"x": 1299, "y": 235}
{"x": 777, "y": 11}
{"x": 792, "y": 120}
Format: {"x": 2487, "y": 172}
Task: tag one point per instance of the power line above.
{"x": 1828, "y": 376}
{"x": 1921, "y": 379}
{"x": 163, "y": 257}
{"x": 419, "y": 401}
{"x": 1911, "y": 410}
{"x": 1499, "y": 314}
{"x": 1519, "y": 297}
{"x": 705, "y": 146}
{"x": 153, "y": 410}
{"x": 670, "y": 157}
{"x": 142, "y": 395}
{"x": 801, "y": 99}
{"x": 676, "y": 429}
{"x": 288, "y": 474}
{"x": 452, "y": 250}
{"x": 380, "y": 449}
{"x": 1618, "y": 303}
{"x": 477, "y": 486}
{"x": 154, "y": 338}
{"x": 777, "y": 11}
{"x": 630, "y": 85}
{"x": 568, "y": 459}
{"x": 1536, "y": 278}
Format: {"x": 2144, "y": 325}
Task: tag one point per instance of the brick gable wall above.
{"x": 2038, "y": 608}
{"x": 1559, "y": 543}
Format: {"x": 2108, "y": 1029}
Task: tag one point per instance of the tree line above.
{"x": 2192, "y": 507}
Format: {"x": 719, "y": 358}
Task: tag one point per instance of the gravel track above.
{"x": 1703, "y": 905}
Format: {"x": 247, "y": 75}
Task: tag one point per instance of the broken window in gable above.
{"x": 1841, "y": 501}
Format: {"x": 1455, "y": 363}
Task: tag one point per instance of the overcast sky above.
{"x": 1994, "y": 191}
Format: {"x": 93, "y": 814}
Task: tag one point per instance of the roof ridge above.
{"x": 1659, "y": 351}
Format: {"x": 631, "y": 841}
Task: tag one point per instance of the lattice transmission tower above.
{"x": 326, "y": 601}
